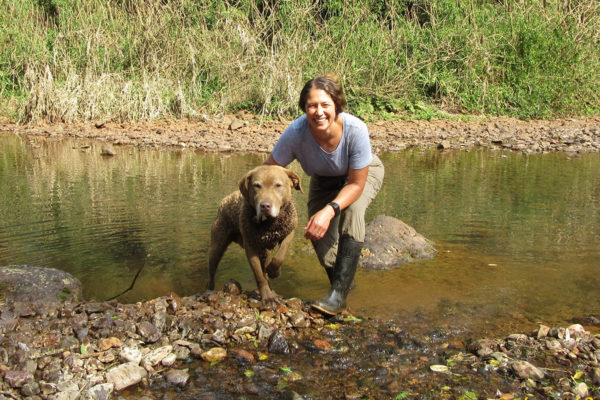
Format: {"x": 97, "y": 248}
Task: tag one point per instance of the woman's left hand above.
{"x": 318, "y": 224}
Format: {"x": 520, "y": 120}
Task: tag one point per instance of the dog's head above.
{"x": 267, "y": 188}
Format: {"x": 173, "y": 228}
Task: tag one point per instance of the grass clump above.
{"x": 127, "y": 60}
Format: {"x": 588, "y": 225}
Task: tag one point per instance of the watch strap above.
{"x": 335, "y": 206}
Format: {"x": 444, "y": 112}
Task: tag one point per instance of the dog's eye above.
{"x": 256, "y": 185}
{"x": 278, "y": 185}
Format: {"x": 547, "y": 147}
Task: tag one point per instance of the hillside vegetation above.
{"x": 63, "y": 60}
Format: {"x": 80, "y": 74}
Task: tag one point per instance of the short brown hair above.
{"x": 330, "y": 85}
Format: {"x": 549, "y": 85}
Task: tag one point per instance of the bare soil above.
{"x": 247, "y": 133}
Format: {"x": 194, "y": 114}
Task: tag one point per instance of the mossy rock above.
{"x": 29, "y": 284}
{"x": 390, "y": 243}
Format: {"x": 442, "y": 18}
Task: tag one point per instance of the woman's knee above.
{"x": 352, "y": 223}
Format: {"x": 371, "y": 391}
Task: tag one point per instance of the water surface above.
{"x": 517, "y": 235}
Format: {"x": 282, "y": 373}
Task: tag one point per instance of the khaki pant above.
{"x": 351, "y": 221}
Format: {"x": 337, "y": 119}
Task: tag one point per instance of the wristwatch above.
{"x": 335, "y": 206}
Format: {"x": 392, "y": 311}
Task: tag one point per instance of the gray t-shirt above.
{"x": 354, "y": 150}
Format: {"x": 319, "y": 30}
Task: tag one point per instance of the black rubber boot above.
{"x": 329, "y": 271}
{"x": 343, "y": 275}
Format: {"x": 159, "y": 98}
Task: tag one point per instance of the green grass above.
{"x": 126, "y": 60}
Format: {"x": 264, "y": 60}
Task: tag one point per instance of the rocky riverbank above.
{"x": 246, "y": 133}
{"x": 229, "y": 344}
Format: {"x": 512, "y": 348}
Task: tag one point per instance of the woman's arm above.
{"x": 271, "y": 161}
{"x": 319, "y": 223}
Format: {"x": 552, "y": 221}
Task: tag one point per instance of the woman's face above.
{"x": 320, "y": 110}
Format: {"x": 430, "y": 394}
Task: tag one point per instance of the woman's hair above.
{"x": 330, "y": 85}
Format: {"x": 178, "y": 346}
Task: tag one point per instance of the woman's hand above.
{"x": 318, "y": 224}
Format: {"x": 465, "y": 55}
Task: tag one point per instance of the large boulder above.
{"x": 25, "y": 287}
{"x": 389, "y": 243}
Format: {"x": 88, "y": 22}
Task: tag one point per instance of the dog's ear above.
{"x": 245, "y": 184}
{"x": 295, "y": 179}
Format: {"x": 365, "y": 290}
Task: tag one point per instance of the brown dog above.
{"x": 258, "y": 217}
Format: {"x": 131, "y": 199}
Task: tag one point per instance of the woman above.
{"x": 333, "y": 148}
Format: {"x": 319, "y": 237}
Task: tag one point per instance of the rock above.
{"x": 542, "y": 331}
{"x": 576, "y": 331}
{"x": 159, "y": 320}
{"x": 278, "y": 344}
{"x": 169, "y": 360}
{"x": 108, "y": 343}
{"x": 177, "y": 377}
{"x": 517, "y": 338}
{"x": 482, "y": 347}
{"x": 131, "y": 354}
{"x": 389, "y": 242}
{"x": 444, "y": 144}
{"x": 8, "y": 322}
{"x": 299, "y": 321}
{"x": 264, "y": 332}
{"x": 66, "y": 391}
{"x": 322, "y": 344}
{"x": 17, "y": 379}
{"x": 236, "y": 124}
{"x": 580, "y": 390}
{"x": 242, "y": 354}
{"x": 291, "y": 395}
{"x": 232, "y": 287}
{"x": 155, "y": 356}
{"x": 148, "y": 332}
{"x": 214, "y": 354}
{"x": 181, "y": 352}
{"x": 125, "y": 375}
{"x": 558, "y": 333}
{"x": 554, "y": 346}
{"x": 101, "y": 391}
{"x": 46, "y": 287}
{"x": 596, "y": 376}
{"x": 30, "y": 389}
{"x": 219, "y": 336}
{"x": 108, "y": 150}
{"x": 526, "y": 370}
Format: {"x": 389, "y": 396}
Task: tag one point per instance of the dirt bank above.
{"x": 246, "y": 133}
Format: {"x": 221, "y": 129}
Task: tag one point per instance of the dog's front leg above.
{"x": 274, "y": 267}
{"x": 261, "y": 280}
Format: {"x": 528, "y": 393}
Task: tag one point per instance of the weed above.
{"x": 78, "y": 61}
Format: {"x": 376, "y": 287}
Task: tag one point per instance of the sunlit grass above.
{"x": 124, "y": 60}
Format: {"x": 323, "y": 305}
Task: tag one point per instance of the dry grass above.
{"x": 129, "y": 60}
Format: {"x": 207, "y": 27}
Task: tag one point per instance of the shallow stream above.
{"x": 518, "y": 236}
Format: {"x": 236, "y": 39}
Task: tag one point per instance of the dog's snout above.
{"x": 265, "y": 206}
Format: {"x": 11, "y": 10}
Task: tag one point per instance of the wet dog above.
{"x": 258, "y": 217}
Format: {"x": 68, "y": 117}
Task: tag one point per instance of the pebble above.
{"x": 214, "y": 354}
{"x": 526, "y": 370}
{"x": 125, "y": 375}
{"x": 177, "y": 377}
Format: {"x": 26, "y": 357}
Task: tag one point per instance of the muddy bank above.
{"x": 228, "y": 344}
{"x": 246, "y": 133}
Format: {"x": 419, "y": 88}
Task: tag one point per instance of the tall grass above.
{"x": 64, "y": 60}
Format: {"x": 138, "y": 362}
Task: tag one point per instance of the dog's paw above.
{"x": 268, "y": 295}
{"x": 273, "y": 270}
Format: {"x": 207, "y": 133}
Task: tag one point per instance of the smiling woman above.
{"x": 333, "y": 148}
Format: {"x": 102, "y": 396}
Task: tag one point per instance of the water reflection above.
{"x": 517, "y": 235}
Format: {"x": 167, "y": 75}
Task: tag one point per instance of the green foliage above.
{"x": 88, "y": 60}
